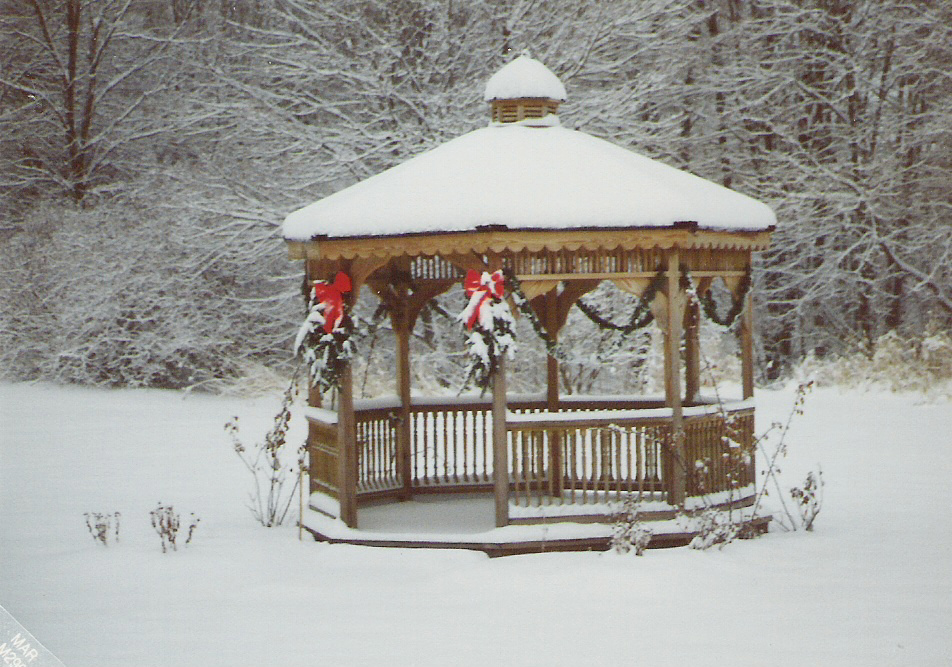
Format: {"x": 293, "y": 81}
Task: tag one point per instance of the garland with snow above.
{"x": 707, "y": 300}
{"x": 640, "y": 317}
{"x": 324, "y": 339}
{"x": 490, "y": 324}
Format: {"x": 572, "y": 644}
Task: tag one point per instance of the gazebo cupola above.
{"x": 525, "y": 91}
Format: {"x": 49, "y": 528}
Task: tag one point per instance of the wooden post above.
{"x": 692, "y": 353}
{"x": 401, "y": 329}
{"x": 347, "y": 449}
{"x": 747, "y": 347}
{"x": 314, "y": 399}
{"x": 677, "y": 470}
{"x": 500, "y": 445}
{"x": 747, "y": 372}
{"x": 552, "y": 392}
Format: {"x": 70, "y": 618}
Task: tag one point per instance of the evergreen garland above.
{"x": 327, "y": 354}
{"x": 710, "y": 307}
{"x": 640, "y": 317}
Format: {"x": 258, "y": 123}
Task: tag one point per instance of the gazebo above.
{"x": 558, "y": 211}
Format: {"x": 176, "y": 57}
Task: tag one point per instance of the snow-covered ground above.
{"x": 871, "y": 586}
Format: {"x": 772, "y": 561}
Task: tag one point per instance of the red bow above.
{"x": 480, "y": 287}
{"x": 331, "y": 297}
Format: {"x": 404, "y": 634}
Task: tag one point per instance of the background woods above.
{"x": 150, "y": 150}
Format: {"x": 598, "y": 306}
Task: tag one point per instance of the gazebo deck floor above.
{"x": 465, "y": 521}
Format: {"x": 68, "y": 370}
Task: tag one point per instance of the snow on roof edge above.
{"x": 681, "y": 224}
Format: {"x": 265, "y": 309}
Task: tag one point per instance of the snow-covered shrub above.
{"x": 936, "y": 354}
{"x": 103, "y": 526}
{"x": 629, "y": 533}
{"x": 267, "y": 462}
{"x": 896, "y": 363}
{"x": 167, "y": 522}
{"x": 809, "y": 498}
{"x": 123, "y": 292}
{"x": 715, "y": 527}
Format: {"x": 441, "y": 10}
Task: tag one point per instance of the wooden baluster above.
{"x": 545, "y": 469}
{"x": 618, "y": 457}
{"x": 380, "y": 427}
{"x": 519, "y": 466}
{"x": 374, "y": 429}
{"x": 534, "y": 466}
{"x": 546, "y": 443}
{"x": 569, "y": 449}
{"x": 527, "y": 474}
{"x": 391, "y": 453}
{"x": 440, "y": 436}
{"x": 414, "y": 446}
{"x": 576, "y": 463}
{"x": 516, "y": 463}
{"x": 381, "y": 473}
{"x": 583, "y": 473}
{"x": 464, "y": 442}
{"x": 370, "y": 428}
{"x": 364, "y": 447}
{"x": 454, "y": 444}
{"x": 640, "y": 461}
{"x": 629, "y": 442}
{"x": 375, "y": 472}
{"x": 526, "y": 466}
{"x": 362, "y": 455}
{"x": 459, "y": 457}
{"x": 527, "y": 462}
{"x": 653, "y": 453}
{"x": 480, "y": 417}
{"x": 598, "y": 461}
{"x": 395, "y": 453}
{"x": 425, "y": 441}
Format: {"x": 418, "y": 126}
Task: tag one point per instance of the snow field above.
{"x": 871, "y": 586}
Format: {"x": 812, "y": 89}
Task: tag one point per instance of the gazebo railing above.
{"x": 592, "y": 450}
{"x": 719, "y": 450}
{"x": 567, "y": 458}
{"x": 601, "y": 455}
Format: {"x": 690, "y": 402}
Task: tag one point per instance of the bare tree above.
{"x": 83, "y": 83}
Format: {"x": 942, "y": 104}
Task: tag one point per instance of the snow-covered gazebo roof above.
{"x": 531, "y": 174}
